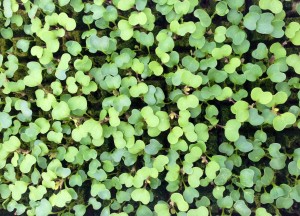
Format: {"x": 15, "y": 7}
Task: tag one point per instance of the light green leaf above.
{"x": 125, "y": 5}
{"x": 241, "y": 207}
{"x": 201, "y": 211}
{"x": 18, "y": 189}
{"x": 232, "y": 130}
{"x": 181, "y": 204}
{"x": 27, "y": 163}
{"x": 211, "y": 169}
{"x": 283, "y": 120}
{"x": 246, "y": 177}
{"x": 5, "y": 120}
{"x": 60, "y": 111}
{"x": 142, "y": 195}
{"x": 273, "y": 5}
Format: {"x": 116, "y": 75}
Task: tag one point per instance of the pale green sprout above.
{"x": 241, "y": 110}
{"x": 197, "y": 39}
{"x": 9, "y": 146}
{"x": 232, "y": 130}
{"x": 234, "y": 16}
{"x": 182, "y": 28}
{"x": 7, "y": 33}
{"x": 80, "y": 209}
{"x": 292, "y": 60}
{"x": 273, "y": 5}
{"x": 84, "y": 64}
{"x": 143, "y": 174}
{"x": 63, "y": 2}
{"x": 246, "y": 177}
{"x": 56, "y": 87}
{"x": 223, "y": 176}
{"x": 264, "y": 24}
{"x": 178, "y": 199}
{"x": 241, "y": 207}
{"x": 235, "y": 4}
{"x": 260, "y": 52}
{"x": 224, "y": 51}
{"x": 190, "y": 63}
{"x": 252, "y": 71}
{"x": 63, "y": 66}
{"x": 189, "y": 101}
{"x": 27, "y": 163}
{"x": 204, "y": 18}
{"x": 125, "y": 5}
{"x": 77, "y": 103}
{"x": 113, "y": 117}
{"x": 194, "y": 155}
{"x": 278, "y": 50}
{"x": 182, "y": 7}
{"x": 71, "y": 85}
{"x": 186, "y": 77}
{"x": 9, "y": 8}
{"x": 37, "y": 193}
{"x": 165, "y": 44}
{"x": 233, "y": 64}
{"x": 55, "y": 137}
{"x": 141, "y": 194}
{"x": 138, "y": 146}
{"x": 23, "y": 45}
{"x": 174, "y": 135}
{"x": 11, "y": 65}
{"x": 146, "y": 39}
{"x": 104, "y": 44}
{"x": 237, "y": 35}
{"x": 250, "y": 20}
{"x": 137, "y": 18}
{"x": 190, "y": 194}
{"x": 222, "y": 8}
{"x": 18, "y": 188}
{"x": 35, "y": 74}
{"x": 279, "y": 98}
{"x": 194, "y": 177}
{"x": 73, "y": 47}
{"x": 162, "y": 208}
{"x": 155, "y": 67}
{"x": 257, "y": 94}
{"x": 218, "y": 192}
{"x": 220, "y": 34}
{"x": 211, "y": 112}
{"x": 138, "y": 90}
{"x": 60, "y": 110}
{"x": 281, "y": 121}
{"x": 5, "y": 120}
{"x": 151, "y": 119}
{"x": 36, "y": 51}
{"x": 183, "y": 118}
{"x": 254, "y": 118}
{"x": 61, "y": 199}
{"x": 89, "y": 127}
{"x": 68, "y": 23}
{"x": 226, "y": 93}
{"x": 126, "y": 30}
{"x": 51, "y": 38}
{"x": 211, "y": 169}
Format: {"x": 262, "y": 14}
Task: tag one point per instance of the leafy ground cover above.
{"x": 137, "y": 107}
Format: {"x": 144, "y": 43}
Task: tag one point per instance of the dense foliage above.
{"x": 139, "y": 107}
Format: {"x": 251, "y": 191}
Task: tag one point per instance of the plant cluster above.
{"x": 138, "y": 107}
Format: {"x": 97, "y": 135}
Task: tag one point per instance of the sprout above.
{"x": 232, "y": 130}
{"x": 273, "y": 5}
